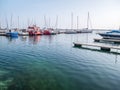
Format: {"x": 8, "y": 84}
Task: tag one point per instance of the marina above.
{"x": 50, "y": 60}
{"x": 60, "y": 45}
{"x": 45, "y": 58}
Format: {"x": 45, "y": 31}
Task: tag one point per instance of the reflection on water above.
{"x": 23, "y": 38}
{"x": 34, "y": 39}
{"x": 10, "y": 39}
{"x": 116, "y": 59}
{"x": 49, "y": 38}
{"x": 96, "y": 50}
{"x": 51, "y": 63}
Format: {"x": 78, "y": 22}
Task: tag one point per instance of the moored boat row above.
{"x": 30, "y": 31}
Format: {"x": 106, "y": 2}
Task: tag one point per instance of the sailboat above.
{"x": 71, "y": 31}
{"x": 12, "y": 32}
{"x": 48, "y": 31}
{"x": 22, "y": 32}
{"x": 86, "y": 30}
{"x": 2, "y": 31}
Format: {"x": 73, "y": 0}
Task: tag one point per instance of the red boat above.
{"x": 34, "y": 30}
{"x": 49, "y": 31}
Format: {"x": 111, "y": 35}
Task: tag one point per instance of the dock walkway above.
{"x": 2, "y": 34}
{"x": 107, "y": 40}
{"x": 102, "y": 47}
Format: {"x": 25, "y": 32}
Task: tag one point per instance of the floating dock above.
{"x": 102, "y": 47}
{"x": 107, "y": 40}
{"x": 2, "y": 34}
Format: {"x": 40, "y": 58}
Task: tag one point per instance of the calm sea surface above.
{"x": 52, "y": 63}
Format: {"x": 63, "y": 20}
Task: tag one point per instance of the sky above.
{"x": 104, "y": 14}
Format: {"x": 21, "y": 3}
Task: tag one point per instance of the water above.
{"x": 52, "y": 63}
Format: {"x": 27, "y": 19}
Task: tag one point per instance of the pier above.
{"x": 2, "y": 34}
{"x": 102, "y": 47}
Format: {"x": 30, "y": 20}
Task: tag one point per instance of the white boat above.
{"x": 70, "y": 32}
{"x": 49, "y": 31}
{"x": 12, "y": 33}
{"x": 85, "y": 30}
{"x": 23, "y": 32}
{"x": 114, "y": 34}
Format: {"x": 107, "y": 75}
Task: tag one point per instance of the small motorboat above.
{"x": 114, "y": 34}
{"x": 12, "y": 33}
{"x": 23, "y": 32}
{"x": 49, "y": 31}
{"x": 34, "y": 30}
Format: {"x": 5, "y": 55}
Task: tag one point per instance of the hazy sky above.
{"x": 103, "y": 13}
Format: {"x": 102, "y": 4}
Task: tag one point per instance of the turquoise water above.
{"x": 52, "y": 63}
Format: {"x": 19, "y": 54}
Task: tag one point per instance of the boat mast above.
{"x": 11, "y": 22}
{"x": 56, "y": 24}
{"x": 31, "y": 21}
{"x": 71, "y": 21}
{"x": 88, "y": 21}
{"x": 0, "y": 24}
{"x": 49, "y": 22}
{"x": 18, "y": 22}
{"x": 35, "y": 21}
{"x": 6, "y": 23}
{"x": 45, "y": 20}
{"x": 77, "y": 22}
{"x": 28, "y": 22}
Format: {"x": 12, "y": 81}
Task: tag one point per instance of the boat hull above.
{"x": 48, "y": 32}
{"x": 110, "y": 36}
{"x": 23, "y": 34}
{"x": 32, "y": 33}
{"x": 12, "y": 34}
{"x": 84, "y": 31}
